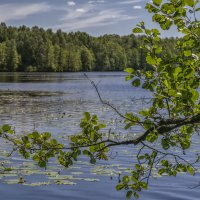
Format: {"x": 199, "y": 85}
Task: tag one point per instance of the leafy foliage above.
{"x": 171, "y": 119}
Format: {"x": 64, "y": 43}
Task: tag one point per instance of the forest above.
{"x": 34, "y": 49}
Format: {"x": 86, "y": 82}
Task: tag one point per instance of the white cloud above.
{"x": 75, "y": 14}
{"x": 14, "y": 11}
{"x": 80, "y": 10}
{"x": 89, "y": 16}
{"x": 137, "y": 7}
{"x": 71, "y": 3}
{"x": 130, "y": 2}
{"x": 72, "y": 17}
{"x": 97, "y": 1}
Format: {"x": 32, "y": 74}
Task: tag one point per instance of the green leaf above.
{"x": 137, "y": 30}
{"x": 147, "y": 31}
{"x": 42, "y": 163}
{"x": 25, "y": 139}
{"x": 35, "y": 135}
{"x": 144, "y": 113}
{"x": 86, "y": 152}
{"x": 164, "y": 163}
{"x": 128, "y": 126}
{"x": 185, "y": 144}
{"x": 36, "y": 157}
{"x": 190, "y": 170}
{"x": 142, "y": 157}
{"x": 168, "y": 8}
{"x": 157, "y": 2}
{"x": 129, "y": 194}
{"x": 137, "y": 166}
{"x": 136, "y": 82}
{"x": 158, "y": 50}
{"x": 87, "y": 116}
{"x": 92, "y": 160}
{"x": 195, "y": 95}
{"x": 46, "y": 135}
{"x": 197, "y": 9}
{"x": 155, "y": 32}
{"x": 101, "y": 126}
{"x": 165, "y": 143}
{"x": 152, "y": 137}
{"x": 150, "y": 60}
{"x": 144, "y": 185}
{"x": 128, "y": 78}
{"x": 6, "y": 127}
{"x": 53, "y": 142}
{"x": 187, "y": 53}
{"x": 126, "y": 179}
{"x": 136, "y": 195}
{"x": 130, "y": 70}
{"x": 119, "y": 187}
{"x": 151, "y": 8}
{"x": 161, "y": 171}
{"x": 189, "y": 3}
{"x": 147, "y": 124}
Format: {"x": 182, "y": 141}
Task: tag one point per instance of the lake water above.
{"x": 55, "y": 102}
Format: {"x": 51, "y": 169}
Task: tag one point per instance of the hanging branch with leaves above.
{"x": 171, "y": 120}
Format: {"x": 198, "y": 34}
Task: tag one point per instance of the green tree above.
{"x": 3, "y": 32}
{"x": 12, "y": 56}
{"x": 87, "y": 59}
{"x": 133, "y": 58}
{"x": 59, "y": 58}
{"x": 50, "y": 62}
{"x": 73, "y": 59}
{"x": 117, "y": 57}
{"x": 3, "y": 56}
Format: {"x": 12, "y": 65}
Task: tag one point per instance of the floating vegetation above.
{"x": 27, "y": 172}
{"x": 71, "y": 178}
{"x": 64, "y": 182}
{"x": 28, "y": 164}
{"x": 125, "y": 169}
{"x": 51, "y": 174}
{"x": 77, "y": 173}
{"x": 12, "y": 181}
{"x": 37, "y": 184}
{"x": 8, "y": 93}
{"x": 84, "y": 163}
{"x": 3, "y": 153}
{"x": 105, "y": 172}
{"x": 90, "y": 179}
{"x": 20, "y": 180}
{"x": 4, "y": 175}
{"x": 61, "y": 177}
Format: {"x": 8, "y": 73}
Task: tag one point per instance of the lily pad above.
{"x": 64, "y": 182}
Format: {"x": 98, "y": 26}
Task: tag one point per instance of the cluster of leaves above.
{"x": 171, "y": 119}
{"x": 174, "y": 114}
{"x": 42, "y": 147}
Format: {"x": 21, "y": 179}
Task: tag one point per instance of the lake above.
{"x": 55, "y": 102}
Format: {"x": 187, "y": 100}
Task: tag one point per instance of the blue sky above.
{"x": 96, "y": 17}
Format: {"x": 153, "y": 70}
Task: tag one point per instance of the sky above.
{"x": 96, "y": 17}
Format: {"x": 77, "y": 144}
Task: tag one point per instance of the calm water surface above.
{"x": 55, "y": 102}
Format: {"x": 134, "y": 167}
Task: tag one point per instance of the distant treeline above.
{"x": 35, "y": 49}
